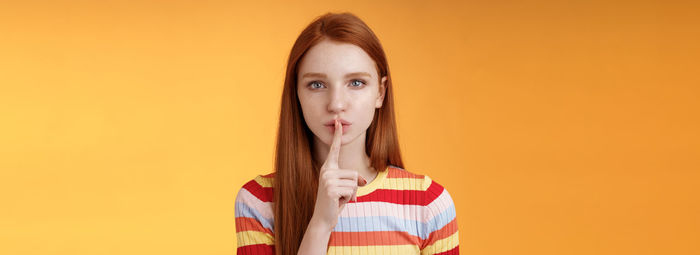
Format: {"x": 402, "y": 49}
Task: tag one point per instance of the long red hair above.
{"x": 296, "y": 171}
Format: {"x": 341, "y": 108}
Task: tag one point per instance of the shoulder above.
{"x": 253, "y": 206}
{"x": 437, "y": 209}
{"x": 428, "y": 189}
{"x": 254, "y": 216}
{"x": 259, "y": 187}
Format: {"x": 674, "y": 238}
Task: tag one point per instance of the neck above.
{"x": 352, "y": 156}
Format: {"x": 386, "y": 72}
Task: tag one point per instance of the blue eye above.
{"x": 354, "y": 83}
{"x": 311, "y": 84}
{"x": 361, "y": 83}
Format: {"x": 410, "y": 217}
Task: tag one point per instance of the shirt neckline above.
{"x": 372, "y": 186}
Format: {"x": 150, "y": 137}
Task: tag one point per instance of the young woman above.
{"x": 339, "y": 186}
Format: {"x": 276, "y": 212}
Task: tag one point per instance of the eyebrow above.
{"x": 322, "y": 75}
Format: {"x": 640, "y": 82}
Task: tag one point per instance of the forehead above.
{"x": 336, "y": 59}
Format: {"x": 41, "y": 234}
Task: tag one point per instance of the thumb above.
{"x": 361, "y": 181}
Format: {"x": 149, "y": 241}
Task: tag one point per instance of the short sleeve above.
{"x": 254, "y": 220}
{"x": 440, "y": 222}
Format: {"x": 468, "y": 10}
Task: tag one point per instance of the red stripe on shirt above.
{"x": 262, "y": 249}
{"x": 250, "y": 224}
{"x": 398, "y": 173}
{"x": 262, "y": 193}
{"x": 453, "y": 251}
{"x": 404, "y": 197}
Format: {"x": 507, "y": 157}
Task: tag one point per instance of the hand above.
{"x": 335, "y": 186}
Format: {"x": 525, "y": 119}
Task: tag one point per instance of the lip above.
{"x": 332, "y": 128}
{"x": 331, "y": 125}
{"x": 342, "y": 121}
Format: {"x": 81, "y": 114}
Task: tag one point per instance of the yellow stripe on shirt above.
{"x": 254, "y": 237}
{"x": 404, "y": 184}
{"x": 265, "y": 182}
{"x": 374, "y": 249}
{"x": 442, "y": 245}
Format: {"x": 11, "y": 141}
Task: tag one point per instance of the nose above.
{"x": 338, "y": 100}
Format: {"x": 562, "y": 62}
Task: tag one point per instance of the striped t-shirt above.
{"x": 399, "y": 212}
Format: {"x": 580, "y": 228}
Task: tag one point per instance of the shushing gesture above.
{"x": 336, "y": 187}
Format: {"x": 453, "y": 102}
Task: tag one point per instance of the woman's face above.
{"x": 338, "y": 81}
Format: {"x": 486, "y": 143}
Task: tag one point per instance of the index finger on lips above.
{"x": 334, "y": 153}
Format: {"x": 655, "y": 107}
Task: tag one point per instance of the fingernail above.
{"x": 363, "y": 180}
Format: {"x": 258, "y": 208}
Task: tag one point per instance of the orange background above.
{"x": 559, "y": 127}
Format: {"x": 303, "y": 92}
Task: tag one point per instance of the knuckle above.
{"x": 326, "y": 176}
